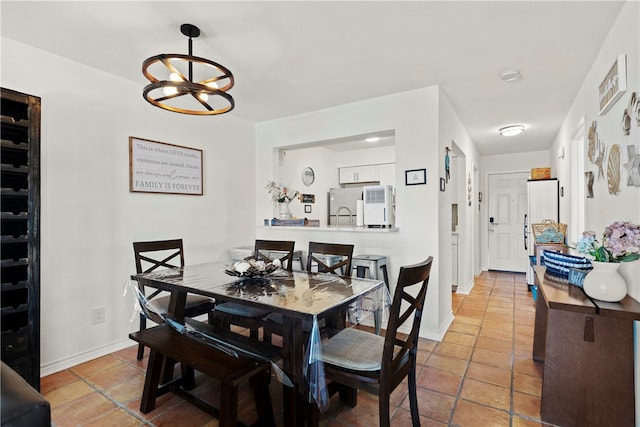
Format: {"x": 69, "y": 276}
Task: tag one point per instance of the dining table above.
{"x": 302, "y": 298}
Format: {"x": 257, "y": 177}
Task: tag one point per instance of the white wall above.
{"x": 416, "y": 118}
{"x": 604, "y": 208}
{"x": 452, "y": 133}
{"x": 504, "y": 163}
{"x": 89, "y": 217}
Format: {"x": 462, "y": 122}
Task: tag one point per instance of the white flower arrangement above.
{"x": 280, "y": 193}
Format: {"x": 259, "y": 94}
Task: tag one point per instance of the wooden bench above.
{"x": 169, "y": 346}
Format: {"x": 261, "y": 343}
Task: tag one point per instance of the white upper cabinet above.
{"x": 384, "y": 173}
{"x": 355, "y": 174}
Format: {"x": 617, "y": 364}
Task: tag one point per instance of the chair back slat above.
{"x": 343, "y": 267}
{"x": 398, "y": 345}
{"x": 158, "y": 253}
{"x": 263, "y": 249}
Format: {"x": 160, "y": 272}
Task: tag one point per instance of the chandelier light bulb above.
{"x": 174, "y": 77}
{"x": 203, "y": 96}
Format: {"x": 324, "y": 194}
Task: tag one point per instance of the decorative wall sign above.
{"x": 588, "y": 181}
{"x": 613, "y": 85}
{"x": 308, "y": 198}
{"x": 157, "y": 167}
{"x": 613, "y": 170}
{"x": 415, "y": 177}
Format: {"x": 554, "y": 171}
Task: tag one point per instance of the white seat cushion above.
{"x": 354, "y": 349}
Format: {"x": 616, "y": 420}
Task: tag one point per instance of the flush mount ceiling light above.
{"x": 510, "y": 75}
{"x": 188, "y": 84}
{"x": 373, "y": 139}
{"x": 511, "y": 130}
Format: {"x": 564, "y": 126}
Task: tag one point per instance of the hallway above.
{"x": 481, "y": 374}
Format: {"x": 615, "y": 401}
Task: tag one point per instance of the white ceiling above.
{"x": 293, "y": 57}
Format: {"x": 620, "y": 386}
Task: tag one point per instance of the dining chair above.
{"x": 231, "y": 313}
{"x": 151, "y": 255}
{"x": 357, "y": 359}
{"x": 332, "y": 258}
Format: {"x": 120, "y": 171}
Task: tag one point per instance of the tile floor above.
{"x": 481, "y": 374}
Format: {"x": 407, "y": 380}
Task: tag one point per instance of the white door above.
{"x": 507, "y": 207}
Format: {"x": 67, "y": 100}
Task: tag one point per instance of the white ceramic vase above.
{"x": 604, "y": 282}
{"x": 285, "y": 212}
{"x": 631, "y": 273}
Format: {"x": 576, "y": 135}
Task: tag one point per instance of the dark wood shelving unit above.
{"x": 20, "y": 233}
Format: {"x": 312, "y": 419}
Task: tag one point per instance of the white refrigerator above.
{"x": 542, "y": 203}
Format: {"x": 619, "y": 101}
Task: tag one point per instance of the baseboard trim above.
{"x": 76, "y": 359}
{"x": 466, "y": 288}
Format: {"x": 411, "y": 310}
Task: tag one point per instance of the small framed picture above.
{"x": 307, "y": 208}
{"x": 415, "y": 177}
{"x": 442, "y": 184}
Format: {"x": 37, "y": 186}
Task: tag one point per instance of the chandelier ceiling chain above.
{"x": 176, "y": 89}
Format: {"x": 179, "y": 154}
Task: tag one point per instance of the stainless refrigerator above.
{"x": 542, "y": 203}
{"x": 343, "y": 205}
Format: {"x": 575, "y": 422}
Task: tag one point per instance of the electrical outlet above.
{"x": 98, "y": 315}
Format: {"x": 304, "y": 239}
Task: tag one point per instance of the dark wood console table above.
{"x": 587, "y": 349}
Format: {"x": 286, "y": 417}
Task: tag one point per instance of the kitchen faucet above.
{"x": 338, "y": 215}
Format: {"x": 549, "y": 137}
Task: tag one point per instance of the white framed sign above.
{"x": 157, "y": 167}
{"x": 613, "y": 85}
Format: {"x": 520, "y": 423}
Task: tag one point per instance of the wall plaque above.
{"x": 613, "y": 85}
{"x": 157, "y": 167}
{"x": 308, "y": 198}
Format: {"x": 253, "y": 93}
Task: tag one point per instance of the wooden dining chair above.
{"x": 320, "y": 253}
{"x": 231, "y": 313}
{"x": 332, "y": 258}
{"x": 357, "y": 359}
{"x": 151, "y": 255}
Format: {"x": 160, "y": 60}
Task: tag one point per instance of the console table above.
{"x": 587, "y": 349}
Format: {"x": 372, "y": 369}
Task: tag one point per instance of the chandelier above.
{"x": 188, "y": 84}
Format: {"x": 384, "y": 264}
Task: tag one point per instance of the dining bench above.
{"x": 169, "y": 345}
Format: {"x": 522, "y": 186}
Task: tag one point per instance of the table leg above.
{"x": 294, "y": 401}
{"x": 176, "y": 304}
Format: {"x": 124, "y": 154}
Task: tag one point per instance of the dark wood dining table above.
{"x": 302, "y": 298}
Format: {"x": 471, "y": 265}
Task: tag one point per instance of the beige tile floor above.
{"x": 481, "y": 374}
